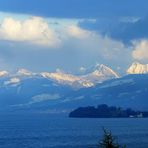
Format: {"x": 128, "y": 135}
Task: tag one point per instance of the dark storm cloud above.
{"x": 118, "y": 29}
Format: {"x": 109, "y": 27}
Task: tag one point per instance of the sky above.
{"x": 45, "y": 35}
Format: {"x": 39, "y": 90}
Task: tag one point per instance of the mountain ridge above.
{"x": 39, "y": 94}
{"x": 97, "y": 74}
{"x": 93, "y": 76}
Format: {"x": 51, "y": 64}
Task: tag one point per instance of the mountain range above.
{"x": 61, "y": 92}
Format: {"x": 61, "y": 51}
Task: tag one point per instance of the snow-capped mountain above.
{"x": 3, "y": 73}
{"x": 98, "y": 74}
{"x": 95, "y": 75}
{"x": 27, "y": 91}
{"x": 12, "y": 81}
{"x": 138, "y": 68}
{"x": 24, "y": 72}
{"x": 68, "y": 79}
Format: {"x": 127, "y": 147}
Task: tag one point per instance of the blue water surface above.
{"x": 44, "y": 131}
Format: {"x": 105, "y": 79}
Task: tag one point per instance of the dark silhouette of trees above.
{"x": 108, "y": 141}
{"x": 104, "y": 111}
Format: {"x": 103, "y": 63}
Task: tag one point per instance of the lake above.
{"x": 43, "y": 131}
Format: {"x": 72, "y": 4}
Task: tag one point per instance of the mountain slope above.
{"x": 129, "y": 91}
{"x": 53, "y": 92}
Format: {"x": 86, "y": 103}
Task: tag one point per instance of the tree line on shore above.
{"x": 105, "y": 111}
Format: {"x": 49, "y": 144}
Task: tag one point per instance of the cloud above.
{"x": 37, "y": 31}
{"x": 125, "y": 29}
{"x": 76, "y": 46}
{"x": 33, "y": 30}
{"x": 77, "y": 32}
{"x": 89, "y": 47}
{"x": 140, "y": 51}
{"x": 44, "y": 97}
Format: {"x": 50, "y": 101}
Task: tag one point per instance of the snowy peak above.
{"x": 12, "y": 81}
{"x": 104, "y": 70}
{"x": 100, "y": 73}
{"x": 24, "y": 72}
{"x": 60, "y": 76}
{"x": 3, "y": 73}
{"x": 95, "y": 75}
{"x": 138, "y": 68}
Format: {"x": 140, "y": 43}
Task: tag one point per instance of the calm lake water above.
{"x": 43, "y": 131}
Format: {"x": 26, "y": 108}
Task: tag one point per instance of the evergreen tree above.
{"x": 108, "y": 141}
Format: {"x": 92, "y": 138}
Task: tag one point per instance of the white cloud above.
{"x": 77, "y": 32}
{"x": 34, "y": 30}
{"x": 44, "y": 97}
{"x": 37, "y": 30}
{"x": 77, "y": 45}
{"x": 140, "y": 51}
{"x": 92, "y": 42}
